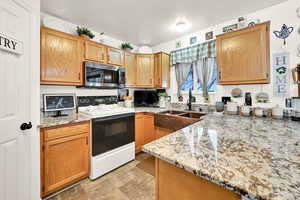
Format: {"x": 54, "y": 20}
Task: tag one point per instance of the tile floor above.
{"x": 129, "y": 182}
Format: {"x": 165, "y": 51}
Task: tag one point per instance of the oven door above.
{"x": 101, "y": 76}
{"x": 109, "y": 133}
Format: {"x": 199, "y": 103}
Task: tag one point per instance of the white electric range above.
{"x": 112, "y": 135}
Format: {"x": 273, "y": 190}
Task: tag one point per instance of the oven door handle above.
{"x": 102, "y": 119}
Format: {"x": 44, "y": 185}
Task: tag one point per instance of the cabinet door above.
{"x": 157, "y": 70}
{"x": 115, "y": 56}
{"x": 94, "y": 52}
{"x": 139, "y": 132}
{"x": 61, "y": 58}
{"x": 149, "y": 134}
{"x": 66, "y": 161}
{"x": 165, "y": 70}
{"x": 130, "y": 65}
{"x": 145, "y": 71}
{"x": 243, "y": 56}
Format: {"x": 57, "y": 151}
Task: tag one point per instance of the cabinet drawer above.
{"x": 65, "y": 131}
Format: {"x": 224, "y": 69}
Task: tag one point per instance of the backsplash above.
{"x": 49, "y": 89}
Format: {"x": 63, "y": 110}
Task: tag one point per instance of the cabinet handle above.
{"x": 220, "y": 75}
{"x": 78, "y": 76}
{"x": 151, "y": 80}
{"x": 86, "y": 140}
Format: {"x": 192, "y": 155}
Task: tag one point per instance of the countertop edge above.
{"x": 204, "y": 176}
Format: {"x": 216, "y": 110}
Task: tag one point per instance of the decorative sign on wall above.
{"x": 10, "y": 44}
{"x": 281, "y": 75}
{"x": 284, "y": 33}
{"x": 178, "y": 44}
{"x": 230, "y": 28}
{"x": 209, "y": 35}
{"x": 193, "y": 40}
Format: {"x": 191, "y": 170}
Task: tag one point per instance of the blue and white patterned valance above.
{"x": 194, "y": 53}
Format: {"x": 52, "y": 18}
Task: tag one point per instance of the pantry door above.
{"x": 19, "y": 88}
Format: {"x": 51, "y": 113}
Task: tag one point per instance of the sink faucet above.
{"x": 189, "y": 103}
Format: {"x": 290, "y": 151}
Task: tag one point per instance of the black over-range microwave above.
{"x": 103, "y": 76}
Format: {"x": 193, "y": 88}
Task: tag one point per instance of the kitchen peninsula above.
{"x": 226, "y": 157}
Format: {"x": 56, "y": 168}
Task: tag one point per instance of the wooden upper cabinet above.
{"x": 130, "y": 66}
{"x": 115, "y": 56}
{"x": 145, "y": 70}
{"x": 94, "y": 52}
{"x": 61, "y": 58}
{"x": 162, "y": 70}
{"x": 243, "y": 56}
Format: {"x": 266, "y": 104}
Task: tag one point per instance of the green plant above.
{"x": 126, "y": 46}
{"x": 162, "y": 94}
{"x": 84, "y": 31}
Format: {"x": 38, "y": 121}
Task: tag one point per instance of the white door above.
{"x": 18, "y": 148}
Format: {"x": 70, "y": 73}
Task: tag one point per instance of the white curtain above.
{"x": 204, "y": 70}
{"x": 182, "y": 71}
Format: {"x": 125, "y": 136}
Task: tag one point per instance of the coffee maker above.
{"x": 296, "y": 108}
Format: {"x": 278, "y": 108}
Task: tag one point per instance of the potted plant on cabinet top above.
{"x": 126, "y": 46}
{"x": 84, "y": 32}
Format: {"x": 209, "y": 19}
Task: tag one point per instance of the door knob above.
{"x": 26, "y": 126}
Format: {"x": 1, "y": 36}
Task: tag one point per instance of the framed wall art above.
{"x": 230, "y": 28}
{"x": 284, "y": 33}
{"x": 178, "y": 44}
{"x": 209, "y": 35}
{"x": 193, "y": 40}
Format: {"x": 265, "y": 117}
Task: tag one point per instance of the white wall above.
{"x": 280, "y": 14}
{"x": 64, "y": 26}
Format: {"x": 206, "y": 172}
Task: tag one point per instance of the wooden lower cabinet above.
{"x": 144, "y": 130}
{"x": 170, "y": 178}
{"x": 65, "y": 156}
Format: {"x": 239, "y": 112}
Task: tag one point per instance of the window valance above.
{"x": 194, "y": 53}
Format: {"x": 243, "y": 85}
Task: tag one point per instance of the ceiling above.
{"x": 150, "y": 22}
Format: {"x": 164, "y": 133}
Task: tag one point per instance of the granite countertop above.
{"x": 55, "y": 121}
{"x": 256, "y": 157}
{"x": 150, "y": 109}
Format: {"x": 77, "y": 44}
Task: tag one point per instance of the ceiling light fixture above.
{"x": 181, "y": 26}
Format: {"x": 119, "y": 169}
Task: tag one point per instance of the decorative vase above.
{"x": 162, "y": 102}
{"x": 127, "y": 50}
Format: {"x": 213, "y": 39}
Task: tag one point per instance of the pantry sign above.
{"x": 10, "y": 44}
